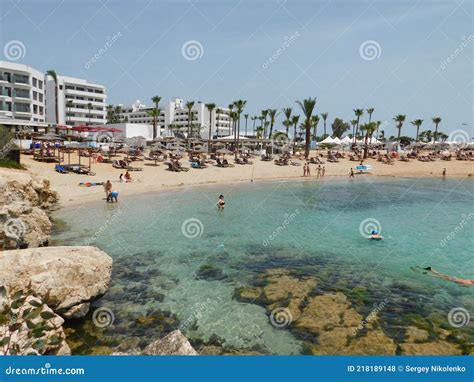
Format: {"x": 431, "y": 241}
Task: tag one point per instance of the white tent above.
{"x": 337, "y": 141}
{"x": 346, "y": 140}
{"x": 327, "y": 141}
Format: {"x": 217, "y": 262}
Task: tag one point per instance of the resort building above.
{"x": 139, "y": 113}
{"x": 173, "y": 119}
{"x": 79, "y": 102}
{"x": 22, "y": 97}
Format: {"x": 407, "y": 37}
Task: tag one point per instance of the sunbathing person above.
{"x": 434, "y": 273}
{"x": 128, "y": 177}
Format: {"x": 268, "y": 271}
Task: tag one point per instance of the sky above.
{"x": 399, "y": 57}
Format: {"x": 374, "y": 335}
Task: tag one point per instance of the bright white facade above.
{"x": 173, "y": 118}
{"x": 22, "y": 96}
{"x": 131, "y": 130}
{"x": 88, "y": 102}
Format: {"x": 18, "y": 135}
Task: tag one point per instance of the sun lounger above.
{"x": 60, "y": 169}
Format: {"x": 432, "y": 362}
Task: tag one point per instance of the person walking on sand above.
{"x": 323, "y": 171}
{"x": 318, "y": 174}
{"x": 308, "y": 170}
{"x": 305, "y": 170}
{"x": 351, "y": 174}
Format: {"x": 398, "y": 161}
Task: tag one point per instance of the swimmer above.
{"x": 434, "y": 273}
{"x": 221, "y": 202}
{"x": 375, "y": 236}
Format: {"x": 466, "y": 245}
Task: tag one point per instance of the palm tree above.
{"x": 417, "y": 123}
{"x": 189, "y": 106}
{"x": 54, "y": 76}
{"x": 89, "y": 107}
{"x": 254, "y": 119}
{"x": 154, "y": 113}
{"x": 354, "y": 124}
{"x": 117, "y": 112}
{"x": 315, "y": 120}
{"x": 358, "y": 113}
{"x": 307, "y": 107}
{"x": 436, "y": 121}
{"x": 287, "y": 123}
{"x": 218, "y": 113}
{"x": 156, "y": 100}
{"x": 239, "y": 104}
{"x": 110, "y": 114}
{"x": 378, "y": 127}
{"x": 264, "y": 115}
{"x": 294, "y": 120}
{"x": 400, "y": 118}
{"x": 324, "y": 116}
{"x": 370, "y": 111}
{"x": 246, "y": 116}
{"x": 210, "y": 108}
{"x": 369, "y": 129}
{"x": 69, "y": 105}
{"x": 272, "y": 113}
{"x": 231, "y": 107}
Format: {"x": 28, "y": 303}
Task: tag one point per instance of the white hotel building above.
{"x": 22, "y": 97}
{"x": 173, "y": 118}
{"x": 87, "y": 102}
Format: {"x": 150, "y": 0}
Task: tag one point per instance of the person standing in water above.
{"x": 305, "y": 168}
{"x": 308, "y": 170}
{"x": 323, "y": 171}
{"x": 351, "y": 174}
{"x": 107, "y": 188}
{"x": 221, "y": 202}
{"x": 444, "y": 172}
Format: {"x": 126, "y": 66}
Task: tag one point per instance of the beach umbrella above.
{"x": 224, "y": 152}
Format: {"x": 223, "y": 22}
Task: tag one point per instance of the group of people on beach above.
{"x": 320, "y": 171}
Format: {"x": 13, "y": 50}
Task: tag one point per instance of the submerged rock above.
{"x": 430, "y": 348}
{"x": 67, "y": 279}
{"x": 210, "y": 272}
{"x": 174, "y": 343}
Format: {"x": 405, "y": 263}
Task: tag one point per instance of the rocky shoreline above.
{"x": 41, "y": 286}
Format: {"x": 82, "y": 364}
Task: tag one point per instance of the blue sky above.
{"x": 408, "y": 73}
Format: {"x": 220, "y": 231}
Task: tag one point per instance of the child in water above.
{"x": 221, "y": 202}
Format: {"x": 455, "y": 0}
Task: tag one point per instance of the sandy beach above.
{"x": 157, "y": 178}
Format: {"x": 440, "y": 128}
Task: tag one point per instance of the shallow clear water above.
{"x": 311, "y": 228}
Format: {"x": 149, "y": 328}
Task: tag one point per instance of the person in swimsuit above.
{"x": 434, "y": 273}
{"x": 108, "y": 188}
{"x": 351, "y": 174}
{"x": 221, "y": 202}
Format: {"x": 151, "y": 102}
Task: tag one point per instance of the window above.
{"x": 40, "y": 83}
{"x": 35, "y": 109}
{"x": 40, "y": 97}
{"x": 35, "y": 82}
{"x": 35, "y": 95}
{"x": 22, "y": 79}
{"x": 60, "y": 87}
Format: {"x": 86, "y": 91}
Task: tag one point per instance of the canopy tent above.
{"x": 346, "y": 140}
{"x": 327, "y": 141}
{"x": 337, "y": 141}
{"x": 229, "y": 137}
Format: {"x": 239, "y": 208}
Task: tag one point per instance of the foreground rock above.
{"x": 67, "y": 279}
{"x": 24, "y": 203}
{"x": 19, "y": 329}
{"x": 174, "y": 343}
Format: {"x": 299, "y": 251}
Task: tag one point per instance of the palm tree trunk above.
{"x": 209, "y": 136}
{"x": 417, "y": 129}
{"x": 308, "y": 140}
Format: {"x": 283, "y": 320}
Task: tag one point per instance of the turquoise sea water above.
{"x": 160, "y": 243}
